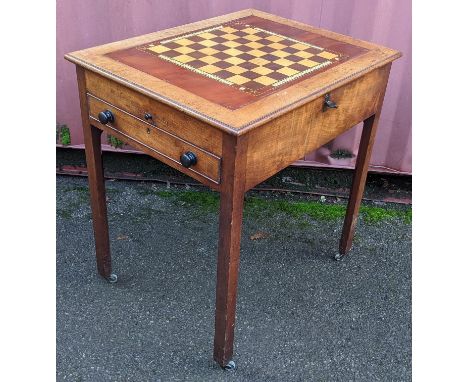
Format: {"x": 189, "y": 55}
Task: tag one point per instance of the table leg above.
{"x": 230, "y": 223}
{"x": 92, "y": 140}
{"x": 359, "y": 182}
{"x": 98, "y": 201}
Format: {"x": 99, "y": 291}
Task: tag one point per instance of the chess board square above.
{"x": 262, "y": 70}
{"x": 210, "y": 69}
{"x": 220, "y": 55}
{"x": 233, "y": 52}
{"x": 253, "y": 86}
{"x": 244, "y": 48}
{"x": 231, "y": 44}
{"x": 252, "y": 37}
{"x": 223, "y": 64}
{"x": 184, "y": 58}
{"x": 229, "y": 36}
{"x": 236, "y": 69}
{"x": 198, "y": 46}
{"x": 254, "y": 45}
{"x": 243, "y": 40}
{"x": 327, "y": 55}
{"x": 207, "y": 35}
{"x": 272, "y": 66}
{"x": 288, "y": 49}
{"x": 287, "y": 71}
{"x": 184, "y": 41}
{"x": 280, "y": 54}
{"x": 274, "y": 38}
{"x": 246, "y": 56}
{"x": 258, "y": 61}
{"x": 308, "y": 63}
{"x": 303, "y": 54}
{"x": 248, "y": 65}
{"x": 277, "y": 45}
{"x": 277, "y": 76}
{"x": 184, "y": 50}
{"x": 218, "y": 39}
{"x": 300, "y": 46}
{"x": 209, "y": 51}
{"x": 284, "y": 62}
{"x": 266, "y": 49}
{"x": 256, "y": 53}
{"x": 229, "y": 30}
{"x": 298, "y": 67}
{"x": 209, "y": 59}
{"x": 196, "y": 54}
{"x": 293, "y": 57}
{"x": 208, "y": 43}
{"x": 265, "y": 80}
{"x": 235, "y": 60}
{"x": 217, "y": 32}
{"x": 238, "y": 79}
{"x": 159, "y": 49}
{"x": 224, "y": 74}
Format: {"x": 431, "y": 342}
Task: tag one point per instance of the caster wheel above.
{"x": 230, "y": 366}
{"x": 338, "y": 257}
{"x": 112, "y": 278}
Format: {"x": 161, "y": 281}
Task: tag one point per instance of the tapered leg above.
{"x": 98, "y": 199}
{"x": 230, "y": 222}
{"x": 359, "y": 182}
{"x": 92, "y": 140}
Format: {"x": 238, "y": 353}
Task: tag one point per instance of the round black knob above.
{"x": 188, "y": 159}
{"x": 106, "y": 116}
{"x": 148, "y": 116}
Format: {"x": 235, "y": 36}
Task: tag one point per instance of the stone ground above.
{"x": 301, "y": 315}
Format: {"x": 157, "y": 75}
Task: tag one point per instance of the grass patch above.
{"x": 114, "y": 141}
{"x": 261, "y": 207}
{"x": 64, "y": 136}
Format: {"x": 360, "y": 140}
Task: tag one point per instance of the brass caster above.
{"x": 230, "y": 366}
{"x": 112, "y": 278}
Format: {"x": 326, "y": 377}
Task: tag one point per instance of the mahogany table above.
{"x": 229, "y": 101}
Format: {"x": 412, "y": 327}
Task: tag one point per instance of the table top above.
{"x": 236, "y": 71}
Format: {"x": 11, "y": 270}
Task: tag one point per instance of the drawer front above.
{"x": 291, "y": 136}
{"x": 355, "y": 102}
{"x": 164, "y": 117}
{"x": 167, "y": 147}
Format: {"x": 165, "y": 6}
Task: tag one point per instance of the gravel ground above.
{"x": 301, "y": 316}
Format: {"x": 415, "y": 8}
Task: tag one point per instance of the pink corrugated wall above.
{"x": 86, "y": 23}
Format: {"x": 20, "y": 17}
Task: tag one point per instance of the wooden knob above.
{"x": 106, "y": 116}
{"x": 188, "y": 159}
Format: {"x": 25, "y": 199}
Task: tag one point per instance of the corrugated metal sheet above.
{"x": 86, "y": 23}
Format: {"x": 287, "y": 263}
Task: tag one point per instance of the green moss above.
{"x": 64, "y": 135}
{"x": 114, "y": 142}
{"x": 259, "y": 207}
{"x": 341, "y": 154}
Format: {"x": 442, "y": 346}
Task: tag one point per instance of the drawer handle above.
{"x": 188, "y": 159}
{"x": 148, "y": 116}
{"x": 329, "y": 104}
{"x": 105, "y": 117}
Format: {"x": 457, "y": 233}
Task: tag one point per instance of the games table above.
{"x": 229, "y": 101}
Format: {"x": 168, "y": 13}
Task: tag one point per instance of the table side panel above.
{"x": 164, "y": 116}
{"x": 291, "y": 136}
{"x": 156, "y": 142}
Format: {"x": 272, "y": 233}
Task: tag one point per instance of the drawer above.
{"x": 355, "y": 102}
{"x": 291, "y": 136}
{"x": 164, "y": 117}
{"x": 166, "y": 146}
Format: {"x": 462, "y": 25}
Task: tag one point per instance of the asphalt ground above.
{"x": 301, "y": 316}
